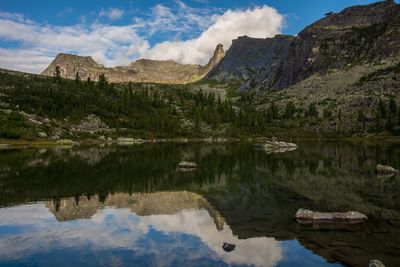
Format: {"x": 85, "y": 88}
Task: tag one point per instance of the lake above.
{"x": 132, "y": 205}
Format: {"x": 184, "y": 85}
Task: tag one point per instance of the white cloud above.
{"x": 260, "y": 22}
{"x": 119, "y": 45}
{"x": 112, "y": 13}
{"x": 110, "y": 45}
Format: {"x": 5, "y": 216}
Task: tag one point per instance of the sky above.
{"x": 117, "y": 32}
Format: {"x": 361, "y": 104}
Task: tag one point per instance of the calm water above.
{"x": 131, "y": 206}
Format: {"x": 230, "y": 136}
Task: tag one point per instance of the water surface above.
{"x": 132, "y": 206}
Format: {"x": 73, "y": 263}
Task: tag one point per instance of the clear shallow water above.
{"x": 131, "y": 206}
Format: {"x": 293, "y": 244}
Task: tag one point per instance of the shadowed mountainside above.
{"x": 355, "y": 36}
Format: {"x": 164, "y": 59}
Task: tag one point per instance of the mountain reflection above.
{"x": 163, "y": 228}
{"x": 250, "y": 194}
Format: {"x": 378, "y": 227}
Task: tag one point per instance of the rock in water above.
{"x": 376, "y": 263}
{"x": 228, "y": 247}
{"x": 308, "y": 216}
{"x": 187, "y": 165}
{"x": 386, "y": 170}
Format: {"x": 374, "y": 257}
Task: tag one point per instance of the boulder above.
{"x": 4, "y": 146}
{"x": 386, "y": 170}
{"x": 187, "y": 165}
{"x": 376, "y": 263}
{"x": 228, "y": 247}
{"x": 308, "y": 216}
{"x": 42, "y": 134}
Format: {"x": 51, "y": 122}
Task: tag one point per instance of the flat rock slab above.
{"x": 307, "y": 216}
{"x": 187, "y": 165}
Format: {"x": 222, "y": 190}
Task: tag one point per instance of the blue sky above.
{"x": 119, "y": 31}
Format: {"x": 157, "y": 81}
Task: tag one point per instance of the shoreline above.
{"x": 21, "y": 143}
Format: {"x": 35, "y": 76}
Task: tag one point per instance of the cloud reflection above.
{"x": 26, "y": 231}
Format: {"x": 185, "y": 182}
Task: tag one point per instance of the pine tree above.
{"x": 102, "y": 82}
{"x": 392, "y": 106}
{"x": 361, "y": 119}
{"x": 312, "y": 110}
{"x": 381, "y": 109}
{"x": 327, "y": 113}
{"x": 57, "y": 75}
{"x": 290, "y": 110}
{"x": 77, "y": 77}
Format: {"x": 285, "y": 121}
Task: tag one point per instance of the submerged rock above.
{"x": 386, "y": 170}
{"x": 308, "y": 216}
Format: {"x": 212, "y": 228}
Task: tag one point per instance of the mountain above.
{"x": 143, "y": 70}
{"x": 357, "y": 35}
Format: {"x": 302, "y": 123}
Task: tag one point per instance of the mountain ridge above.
{"x": 141, "y": 70}
{"x": 356, "y": 34}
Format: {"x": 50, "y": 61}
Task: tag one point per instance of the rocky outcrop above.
{"x": 92, "y": 124}
{"x": 358, "y": 34}
{"x": 247, "y": 56}
{"x": 308, "y": 216}
{"x": 142, "y": 70}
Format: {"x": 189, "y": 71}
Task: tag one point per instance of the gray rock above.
{"x": 386, "y": 170}
{"x": 42, "y": 134}
{"x": 187, "y": 165}
{"x": 307, "y": 216}
{"x": 376, "y": 263}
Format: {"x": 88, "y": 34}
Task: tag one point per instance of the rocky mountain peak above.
{"x": 355, "y": 16}
{"x": 142, "y": 70}
{"x": 219, "y": 54}
{"x": 356, "y": 35}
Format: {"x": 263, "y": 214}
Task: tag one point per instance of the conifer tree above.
{"x": 77, "y": 77}
{"x": 57, "y": 75}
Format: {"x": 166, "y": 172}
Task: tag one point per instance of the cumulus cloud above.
{"x": 190, "y": 34}
{"x": 259, "y": 22}
{"x": 111, "y": 13}
{"x": 110, "y": 45}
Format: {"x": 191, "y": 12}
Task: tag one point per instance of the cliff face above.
{"x": 358, "y": 34}
{"x": 248, "y": 55}
{"x": 142, "y": 70}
